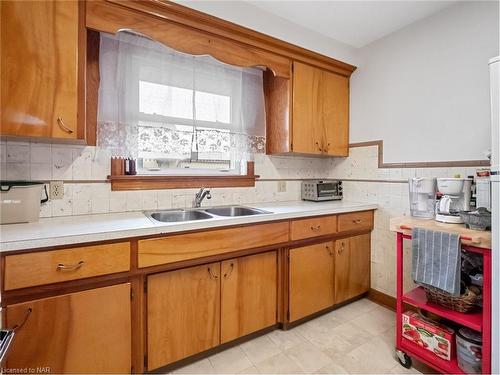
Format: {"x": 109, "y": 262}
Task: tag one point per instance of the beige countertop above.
{"x": 477, "y": 238}
{"x": 69, "y": 230}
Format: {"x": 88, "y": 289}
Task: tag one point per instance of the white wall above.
{"x": 423, "y": 83}
{"x": 249, "y": 16}
{"x": 424, "y": 89}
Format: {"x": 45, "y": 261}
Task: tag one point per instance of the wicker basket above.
{"x": 463, "y": 303}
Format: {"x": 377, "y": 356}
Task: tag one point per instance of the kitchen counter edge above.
{"x": 147, "y": 227}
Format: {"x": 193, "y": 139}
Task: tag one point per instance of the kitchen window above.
{"x": 177, "y": 114}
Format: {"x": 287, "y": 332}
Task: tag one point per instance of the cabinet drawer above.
{"x": 47, "y": 267}
{"x": 181, "y": 247}
{"x": 355, "y": 221}
{"x": 313, "y": 227}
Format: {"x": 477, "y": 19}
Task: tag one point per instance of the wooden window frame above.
{"x": 142, "y": 182}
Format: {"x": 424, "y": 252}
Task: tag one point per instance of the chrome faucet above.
{"x": 198, "y": 198}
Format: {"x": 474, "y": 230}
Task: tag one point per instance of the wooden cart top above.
{"x": 469, "y": 237}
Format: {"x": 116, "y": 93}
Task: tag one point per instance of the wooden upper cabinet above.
{"x": 82, "y": 332}
{"x": 40, "y": 69}
{"x": 320, "y": 111}
{"x": 307, "y": 110}
{"x": 309, "y": 115}
{"x": 248, "y": 295}
{"x": 334, "y": 96}
{"x": 352, "y": 267}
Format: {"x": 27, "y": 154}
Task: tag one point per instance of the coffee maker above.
{"x": 422, "y": 197}
{"x": 455, "y": 198}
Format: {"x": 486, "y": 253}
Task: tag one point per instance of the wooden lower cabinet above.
{"x": 183, "y": 313}
{"x": 311, "y": 279}
{"x": 249, "y": 295}
{"x": 82, "y": 332}
{"x": 352, "y": 267}
{"x": 197, "y": 308}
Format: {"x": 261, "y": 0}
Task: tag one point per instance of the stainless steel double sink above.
{"x": 191, "y": 214}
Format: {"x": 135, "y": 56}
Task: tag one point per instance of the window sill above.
{"x": 138, "y": 182}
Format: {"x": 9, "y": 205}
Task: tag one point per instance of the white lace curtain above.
{"x": 159, "y": 103}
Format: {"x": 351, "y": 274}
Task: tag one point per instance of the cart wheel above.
{"x": 404, "y": 359}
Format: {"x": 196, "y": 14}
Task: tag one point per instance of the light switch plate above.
{"x": 281, "y": 186}
{"x": 56, "y": 190}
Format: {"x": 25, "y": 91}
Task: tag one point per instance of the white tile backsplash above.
{"x": 41, "y": 172}
{"x": 82, "y": 164}
{"x": 118, "y": 202}
{"x": 17, "y": 171}
{"x": 41, "y": 154}
{"x": 81, "y": 207}
{"x": 18, "y": 153}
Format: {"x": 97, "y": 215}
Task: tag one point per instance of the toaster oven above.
{"x": 321, "y": 190}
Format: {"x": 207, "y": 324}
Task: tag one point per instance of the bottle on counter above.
{"x": 126, "y": 166}
{"x": 130, "y": 166}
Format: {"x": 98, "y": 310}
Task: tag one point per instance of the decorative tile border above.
{"x": 424, "y": 164}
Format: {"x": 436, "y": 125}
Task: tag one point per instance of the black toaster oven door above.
{"x": 327, "y": 190}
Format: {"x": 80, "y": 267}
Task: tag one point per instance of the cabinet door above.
{"x": 83, "y": 332}
{"x": 183, "y": 313}
{"x": 311, "y": 284}
{"x": 352, "y": 267}
{"x": 39, "y": 68}
{"x": 248, "y": 300}
{"x": 307, "y": 110}
{"x": 335, "y": 110}
{"x": 320, "y": 121}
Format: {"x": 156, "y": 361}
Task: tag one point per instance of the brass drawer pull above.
{"x": 227, "y": 274}
{"x": 72, "y": 267}
{"x": 342, "y": 247}
{"x": 357, "y": 221}
{"x": 315, "y": 228}
{"x": 63, "y": 126}
{"x": 329, "y": 249}
{"x": 214, "y": 276}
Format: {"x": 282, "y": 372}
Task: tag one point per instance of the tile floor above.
{"x": 357, "y": 338}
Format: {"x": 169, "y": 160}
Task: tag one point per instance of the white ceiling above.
{"x": 356, "y": 23}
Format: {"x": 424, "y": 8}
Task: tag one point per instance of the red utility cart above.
{"x": 478, "y": 321}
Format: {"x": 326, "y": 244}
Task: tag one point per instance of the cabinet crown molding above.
{"x": 211, "y": 26}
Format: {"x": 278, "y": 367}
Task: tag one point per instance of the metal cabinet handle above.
{"x": 231, "y": 268}
{"x": 315, "y": 228}
{"x": 17, "y": 327}
{"x": 214, "y": 276}
{"x": 357, "y": 221}
{"x": 71, "y": 267}
{"x": 63, "y": 126}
